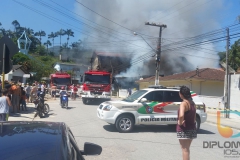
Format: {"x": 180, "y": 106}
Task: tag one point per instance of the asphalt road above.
{"x": 145, "y": 142}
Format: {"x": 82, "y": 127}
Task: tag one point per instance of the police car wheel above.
{"x": 124, "y": 124}
{"x": 197, "y": 123}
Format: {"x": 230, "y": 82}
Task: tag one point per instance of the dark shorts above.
{"x": 3, "y": 117}
{"x": 187, "y": 134}
{"x": 27, "y": 95}
{"x": 54, "y": 93}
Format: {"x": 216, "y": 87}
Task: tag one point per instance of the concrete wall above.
{"x": 212, "y": 101}
{"x": 123, "y": 93}
{"x": 235, "y": 92}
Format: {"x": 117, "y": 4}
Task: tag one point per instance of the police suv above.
{"x": 155, "y": 105}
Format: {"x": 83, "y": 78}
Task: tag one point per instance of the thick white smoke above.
{"x": 184, "y": 19}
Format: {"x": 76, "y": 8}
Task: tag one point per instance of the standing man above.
{"x": 15, "y": 91}
{"x": 129, "y": 91}
{"x": 28, "y": 91}
{"x": 43, "y": 88}
{"x": 33, "y": 92}
{"x": 54, "y": 91}
{"x": 5, "y": 103}
{"x": 75, "y": 89}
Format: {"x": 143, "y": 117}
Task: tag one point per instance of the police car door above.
{"x": 149, "y": 113}
{"x": 172, "y": 102}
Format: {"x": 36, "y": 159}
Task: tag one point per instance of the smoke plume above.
{"x": 184, "y": 19}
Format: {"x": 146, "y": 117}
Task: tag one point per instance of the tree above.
{"x": 69, "y": 32}
{"x": 40, "y": 50}
{"x": 61, "y": 33}
{"x": 40, "y": 34}
{"x": 234, "y": 55}
{"x": 48, "y": 43}
{"x": 63, "y": 47}
{"x": 29, "y": 31}
{"x": 16, "y": 25}
{"x": 19, "y": 57}
{"x": 22, "y": 59}
{"x": 52, "y": 35}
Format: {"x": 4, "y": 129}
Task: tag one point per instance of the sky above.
{"x": 109, "y": 25}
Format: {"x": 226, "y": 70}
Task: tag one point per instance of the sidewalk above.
{"x": 232, "y": 122}
{"x": 29, "y": 114}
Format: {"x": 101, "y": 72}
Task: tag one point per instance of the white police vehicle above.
{"x": 150, "y": 106}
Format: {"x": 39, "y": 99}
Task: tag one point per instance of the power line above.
{"x": 88, "y": 19}
{"x": 59, "y": 21}
{"x": 109, "y": 19}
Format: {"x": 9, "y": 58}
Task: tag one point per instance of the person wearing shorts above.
{"x": 16, "y": 93}
{"x": 186, "y": 126}
{"x": 28, "y": 91}
{"x": 5, "y": 103}
{"x": 53, "y": 89}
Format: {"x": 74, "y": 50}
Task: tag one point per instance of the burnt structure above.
{"x": 111, "y": 62}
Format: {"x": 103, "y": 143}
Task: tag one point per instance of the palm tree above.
{"x": 52, "y": 35}
{"x": 40, "y": 34}
{"x": 0, "y": 23}
{"x": 10, "y": 33}
{"x": 16, "y": 25}
{"x": 69, "y": 32}
{"x": 28, "y": 31}
{"x": 48, "y": 43}
{"x": 61, "y": 33}
{"x": 64, "y": 46}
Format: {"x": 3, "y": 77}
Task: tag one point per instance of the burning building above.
{"x": 110, "y": 62}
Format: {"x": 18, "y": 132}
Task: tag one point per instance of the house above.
{"x": 110, "y": 62}
{"x": 205, "y": 81}
{"x": 17, "y": 73}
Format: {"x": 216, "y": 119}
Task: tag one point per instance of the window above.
{"x": 172, "y": 96}
{"x": 135, "y": 96}
{"x": 104, "y": 79}
{"x": 154, "y": 96}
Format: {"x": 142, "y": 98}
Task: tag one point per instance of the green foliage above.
{"x": 234, "y": 55}
{"x": 43, "y": 66}
{"x": 20, "y": 57}
{"x": 41, "y": 50}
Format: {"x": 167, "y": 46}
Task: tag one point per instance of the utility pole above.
{"x": 226, "y": 96}
{"x": 159, "y": 49}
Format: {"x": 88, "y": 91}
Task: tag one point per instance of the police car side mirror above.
{"x": 143, "y": 100}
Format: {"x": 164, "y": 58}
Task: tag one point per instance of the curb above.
{"x": 237, "y": 128}
{"x": 223, "y": 109}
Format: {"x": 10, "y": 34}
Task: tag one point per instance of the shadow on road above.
{"x": 152, "y": 128}
{"x": 71, "y": 107}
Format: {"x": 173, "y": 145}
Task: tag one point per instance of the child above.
{"x": 5, "y": 103}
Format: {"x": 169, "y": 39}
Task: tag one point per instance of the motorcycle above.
{"x": 64, "y": 101}
{"x": 41, "y": 107}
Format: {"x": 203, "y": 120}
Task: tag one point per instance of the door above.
{"x": 148, "y": 113}
{"x": 172, "y": 102}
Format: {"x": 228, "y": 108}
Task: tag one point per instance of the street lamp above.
{"x": 135, "y": 33}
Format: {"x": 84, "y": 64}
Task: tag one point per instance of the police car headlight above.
{"x": 107, "y": 107}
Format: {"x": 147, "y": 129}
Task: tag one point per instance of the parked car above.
{"x": 150, "y": 106}
{"x": 41, "y": 140}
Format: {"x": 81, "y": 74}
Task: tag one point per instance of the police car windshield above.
{"x": 135, "y": 96}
